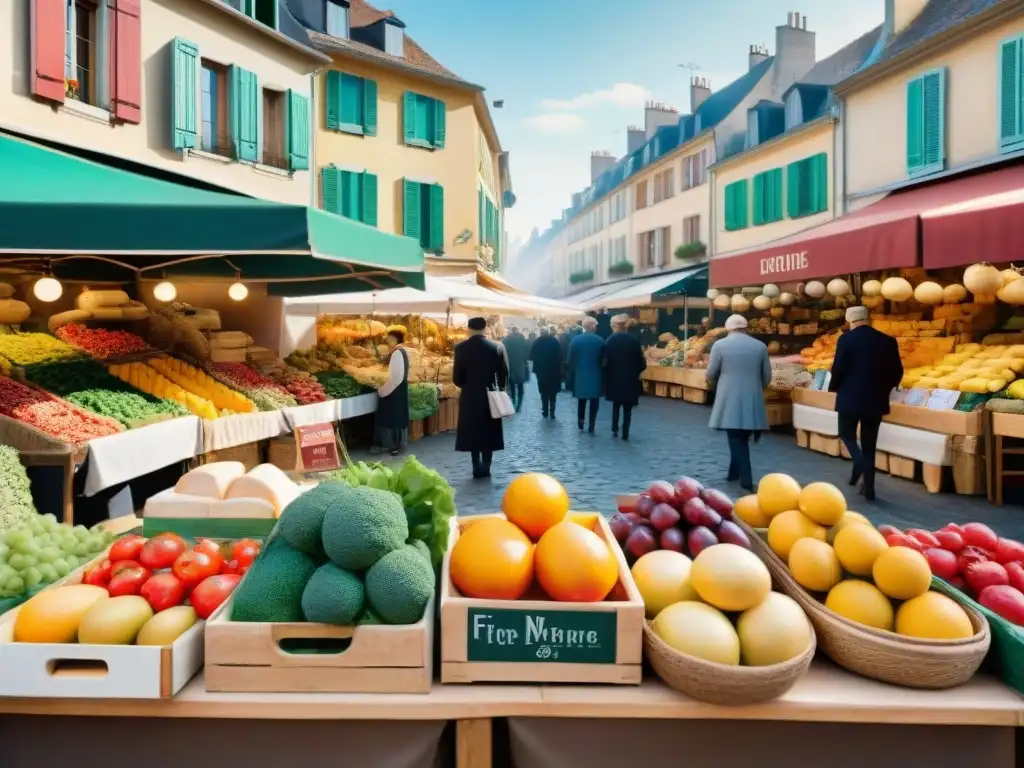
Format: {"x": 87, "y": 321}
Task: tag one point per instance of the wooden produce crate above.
{"x": 281, "y": 452}
{"x": 539, "y": 640}
{"x": 824, "y": 444}
{"x": 415, "y": 430}
{"x": 691, "y": 395}
{"x": 257, "y": 657}
{"x": 430, "y": 424}
{"x": 660, "y": 389}
{"x": 779, "y": 414}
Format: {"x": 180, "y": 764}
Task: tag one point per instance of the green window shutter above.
{"x": 743, "y": 203}
{"x": 759, "y": 200}
{"x": 333, "y": 100}
{"x": 424, "y": 118}
{"x": 409, "y": 117}
{"x": 411, "y": 208}
{"x": 351, "y": 195}
{"x": 1011, "y": 130}
{"x": 184, "y": 68}
{"x": 298, "y": 131}
{"x": 245, "y": 114}
{"x": 773, "y": 194}
{"x": 935, "y": 119}
{"x": 480, "y": 214}
{"x": 915, "y": 125}
{"x": 370, "y": 107}
{"x": 440, "y": 124}
{"x": 351, "y": 103}
{"x": 819, "y": 182}
{"x": 436, "y": 241}
{"x": 737, "y": 204}
{"x": 330, "y": 189}
{"x": 793, "y": 184}
{"x": 369, "y": 201}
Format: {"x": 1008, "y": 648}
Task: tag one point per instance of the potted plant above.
{"x": 691, "y": 250}
{"x": 623, "y": 268}
{"x": 583, "y": 276}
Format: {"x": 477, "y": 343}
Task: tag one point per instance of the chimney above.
{"x": 635, "y": 138}
{"x": 794, "y": 53}
{"x": 599, "y": 163}
{"x": 700, "y": 90}
{"x": 758, "y": 53}
{"x": 899, "y": 14}
{"x": 657, "y": 115}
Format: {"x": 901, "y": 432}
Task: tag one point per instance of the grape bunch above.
{"x": 44, "y": 550}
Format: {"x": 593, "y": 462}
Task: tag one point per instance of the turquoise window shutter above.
{"x": 737, "y": 205}
{"x": 1011, "y": 129}
{"x": 480, "y": 215}
{"x": 411, "y": 209}
{"x": 333, "y": 100}
{"x": 915, "y": 125}
{"x": 330, "y": 189}
{"x": 424, "y": 118}
{"x": 409, "y": 117}
{"x": 440, "y": 124}
{"x": 245, "y": 114}
{"x": 351, "y": 192}
{"x": 759, "y": 200}
{"x": 819, "y": 175}
{"x": 935, "y": 119}
{"x": 298, "y": 131}
{"x": 793, "y": 185}
{"x": 436, "y": 242}
{"x": 370, "y": 108}
{"x": 727, "y": 204}
{"x": 351, "y": 103}
{"x": 773, "y": 195}
{"x": 369, "y": 201}
{"x": 743, "y": 203}
{"x": 184, "y": 67}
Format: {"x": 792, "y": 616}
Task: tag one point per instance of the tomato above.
{"x": 971, "y": 555}
{"x": 211, "y": 593}
{"x": 888, "y": 530}
{"x": 942, "y": 562}
{"x": 210, "y": 547}
{"x": 98, "y": 575}
{"x": 903, "y": 540}
{"x": 163, "y": 591}
{"x": 128, "y": 582}
{"x": 952, "y": 527}
{"x": 1008, "y": 551}
{"x": 122, "y": 565}
{"x": 951, "y": 540}
{"x": 228, "y": 566}
{"x": 127, "y": 548}
{"x": 980, "y": 535}
{"x": 193, "y": 567}
{"x": 926, "y": 538}
{"x": 161, "y": 551}
{"x": 245, "y": 551}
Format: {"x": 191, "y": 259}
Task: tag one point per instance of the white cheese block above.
{"x": 265, "y": 482}
{"x": 243, "y": 508}
{"x": 169, "y": 503}
{"x": 210, "y": 480}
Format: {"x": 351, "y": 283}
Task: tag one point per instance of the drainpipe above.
{"x": 841, "y": 142}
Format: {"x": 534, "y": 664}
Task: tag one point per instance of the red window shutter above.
{"x": 126, "y": 63}
{"x": 48, "y": 30}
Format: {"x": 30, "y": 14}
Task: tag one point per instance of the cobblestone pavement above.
{"x": 670, "y": 438}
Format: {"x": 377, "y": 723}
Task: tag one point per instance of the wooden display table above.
{"x": 687, "y": 384}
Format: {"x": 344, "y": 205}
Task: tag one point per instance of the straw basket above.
{"x": 886, "y": 656}
{"x": 247, "y": 453}
{"x": 720, "y": 683}
{"x": 281, "y": 452}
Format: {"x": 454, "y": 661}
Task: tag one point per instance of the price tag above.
{"x": 317, "y": 448}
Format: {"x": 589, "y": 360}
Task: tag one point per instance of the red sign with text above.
{"x": 317, "y": 448}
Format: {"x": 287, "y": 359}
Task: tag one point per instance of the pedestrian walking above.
{"x": 479, "y": 365}
{"x": 564, "y": 340}
{"x": 740, "y": 368}
{"x": 517, "y": 350}
{"x": 586, "y": 372}
{"x": 623, "y": 364}
{"x": 392, "y": 417}
{"x": 866, "y": 368}
{"x": 546, "y": 355}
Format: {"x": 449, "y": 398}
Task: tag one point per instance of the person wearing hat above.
{"x": 480, "y": 364}
{"x": 740, "y": 371}
{"x": 518, "y": 351}
{"x": 392, "y": 416}
{"x": 623, "y": 363}
{"x": 866, "y": 367}
{"x": 546, "y": 356}
{"x": 586, "y": 372}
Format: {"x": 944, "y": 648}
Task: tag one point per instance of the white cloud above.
{"x": 622, "y": 95}
{"x": 555, "y": 122}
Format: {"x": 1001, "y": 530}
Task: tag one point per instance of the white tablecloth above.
{"x": 351, "y": 407}
{"x": 242, "y": 428}
{"x": 314, "y": 413}
{"x": 122, "y": 457}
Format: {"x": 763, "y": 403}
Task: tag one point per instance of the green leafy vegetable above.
{"x": 422, "y": 401}
{"x": 339, "y": 385}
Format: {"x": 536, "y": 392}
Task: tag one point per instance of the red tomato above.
{"x": 228, "y": 566}
{"x": 245, "y": 551}
{"x": 903, "y": 540}
{"x": 163, "y": 591}
{"x": 942, "y": 562}
{"x": 958, "y": 582}
{"x": 211, "y": 592}
{"x": 122, "y": 565}
{"x": 952, "y": 527}
{"x": 1015, "y": 572}
{"x": 950, "y": 540}
{"x": 981, "y": 575}
{"x": 888, "y": 530}
{"x": 210, "y": 547}
{"x": 127, "y": 548}
{"x": 193, "y": 567}
{"x": 98, "y": 575}
{"x": 128, "y": 582}
{"x": 161, "y": 551}
{"x": 979, "y": 535}
{"x": 971, "y": 555}
{"x": 926, "y": 538}
{"x": 1008, "y": 551}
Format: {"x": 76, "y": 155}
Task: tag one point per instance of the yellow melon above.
{"x": 777, "y": 493}
{"x": 933, "y": 616}
{"x": 823, "y": 503}
{"x": 54, "y": 615}
{"x": 788, "y": 528}
{"x": 730, "y": 577}
{"x": 861, "y": 602}
{"x": 749, "y": 511}
{"x": 857, "y": 547}
{"x": 814, "y": 565}
{"x": 902, "y": 573}
{"x": 774, "y": 631}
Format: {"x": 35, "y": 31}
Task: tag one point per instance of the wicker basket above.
{"x": 248, "y": 453}
{"x": 720, "y": 683}
{"x": 281, "y": 452}
{"x": 878, "y": 654}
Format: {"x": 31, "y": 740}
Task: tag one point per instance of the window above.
{"x": 423, "y": 214}
{"x": 394, "y": 40}
{"x": 1011, "y": 98}
{"x": 213, "y": 136}
{"x": 654, "y": 248}
{"x": 351, "y": 104}
{"x": 768, "y": 197}
{"x": 753, "y": 136}
{"x": 794, "y": 110}
{"x": 736, "y": 205}
{"x": 85, "y": 52}
{"x": 350, "y": 193}
{"x": 926, "y": 123}
{"x": 423, "y": 121}
{"x": 617, "y": 210}
{"x": 273, "y": 129}
{"x": 337, "y": 19}
{"x": 641, "y": 196}
{"x": 695, "y": 169}
{"x": 807, "y": 186}
{"x": 691, "y": 230}
{"x": 664, "y": 185}
{"x": 263, "y": 11}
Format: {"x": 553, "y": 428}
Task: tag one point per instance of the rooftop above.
{"x": 843, "y": 62}
{"x": 936, "y": 18}
{"x": 719, "y": 104}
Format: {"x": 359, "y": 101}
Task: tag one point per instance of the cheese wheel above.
{"x": 265, "y": 482}
{"x": 13, "y": 312}
{"x": 90, "y": 300}
{"x": 243, "y": 508}
{"x": 170, "y": 503}
{"x": 6, "y": 290}
{"x": 134, "y": 313}
{"x": 210, "y": 481}
{"x": 66, "y": 318}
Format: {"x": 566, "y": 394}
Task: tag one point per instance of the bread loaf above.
{"x": 90, "y": 300}
{"x": 66, "y": 318}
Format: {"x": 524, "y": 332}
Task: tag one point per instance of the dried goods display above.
{"x": 692, "y": 353}
{"x": 266, "y": 393}
{"x": 101, "y": 343}
{"x": 28, "y": 348}
{"x": 16, "y": 505}
{"x": 51, "y": 415}
{"x": 304, "y": 386}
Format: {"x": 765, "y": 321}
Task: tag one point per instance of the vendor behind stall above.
{"x": 393, "y": 396}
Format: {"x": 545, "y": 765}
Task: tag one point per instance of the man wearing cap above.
{"x": 479, "y": 365}
{"x": 623, "y": 363}
{"x": 867, "y": 366}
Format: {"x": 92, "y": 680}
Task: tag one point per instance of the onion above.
{"x": 762, "y": 302}
{"x": 897, "y": 289}
{"x": 929, "y": 293}
{"x": 712, "y": 294}
{"x": 771, "y": 291}
{"x": 837, "y": 287}
{"x": 787, "y": 299}
{"x": 983, "y": 278}
{"x": 815, "y": 289}
{"x": 954, "y": 294}
{"x": 871, "y": 288}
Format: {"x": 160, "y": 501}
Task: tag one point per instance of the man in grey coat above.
{"x": 740, "y": 367}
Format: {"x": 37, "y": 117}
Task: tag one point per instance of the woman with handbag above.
{"x": 392, "y": 415}
{"x": 481, "y": 372}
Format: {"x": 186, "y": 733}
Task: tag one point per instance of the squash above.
{"x": 871, "y": 288}
{"x": 762, "y": 303}
{"x": 983, "y": 279}
{"x": 14, "y": 312}
{"x": 6, "y": 290}
{"x": 1012, "y": 293}
{"x": 114, "y": 314}
{"x": 739, "y": 303}
{"x": 976, "y": 386}
{"x": 787, "y": 299}
{"x": 897, "y": 289}
{"x": 815, "y": 289}
{"x": 771, "y": 291}
{"x": 929, "y": 293}
{"x": 132, "y": 313}
{"x": 712, "y": 294}
{"x": 90, "y": 300}
{"x": 837, "y": 287}
{"x": 66, "y": 318}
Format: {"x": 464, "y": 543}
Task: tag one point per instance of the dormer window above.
{"x": 753, "y": 129}
{"x": 794, "y": 110}
{"x": 394, "y": 39}
{"x": 337, "y": 19}
{"x": 263, "y": 11}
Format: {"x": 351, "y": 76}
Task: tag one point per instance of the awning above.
{"x": 585, "y": 296}
{"x": 647, "y": 290}
{"x": 543, "y": 306}
{"x": 67, "y": 210}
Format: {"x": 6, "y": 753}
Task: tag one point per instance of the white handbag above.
{"x": 500, "y": 403}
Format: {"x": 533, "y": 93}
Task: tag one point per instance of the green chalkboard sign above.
{"x": 570, "y": 637}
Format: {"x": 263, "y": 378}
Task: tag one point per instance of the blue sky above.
{"x": 574, "y": 73}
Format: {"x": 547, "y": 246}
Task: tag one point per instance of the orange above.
{"x": 492, "y": 559}
{"x": 535, "y": 502}
{"x": 575, "y": 565}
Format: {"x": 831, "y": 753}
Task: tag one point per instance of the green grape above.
{"x": 68, "y": 542}
{"x": 51, "y": 523}
{"x": 81, "y": 532}
{"x": 49, "y": 554}
{"x": 62, "y": 567}
{"x": 6, "y": 573}
{"x": 36, "y": 526}
{"x": 18, "y": 562}
{"x": 31, "y": 548}
{"x": 32, "y": 577}
{"x": 15, "y": 586}
{"x": 19, "y": 536}
{"x": 72, "y": 561}
{"x": 31, "y": 561}
{"x": 49, "y": 573}
{"x": 81, "y": 550}
{"x": 5, "y": 551}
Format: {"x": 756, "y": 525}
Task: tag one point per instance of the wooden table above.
{"x": 827, "y": 694}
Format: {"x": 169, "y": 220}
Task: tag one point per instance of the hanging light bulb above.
{"x": 238, "y": 291}
{"x": 48, "y": 289}
{"x": 164, "y": 291}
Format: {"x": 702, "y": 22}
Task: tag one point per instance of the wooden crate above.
{"x": 281, "y": 452}
{"x": 538, "y": 640}
{"x": 824, "y": 444}
{"x": 415, "y": 430}
{"x": 779, "y": 414}
{"x": 691, "y": 395}
{"x": 247, "y": 657}
{"x": 803, "y": 439}
{"x": 430, "y": 424}
{"x": 648, "y": 387}
{"x": 250, "y": 454}
{"x": 901, "y": 467}
{"x": 881, "y": 461}
{"x": 675, "y": 391}
{"x": 660, "y": 389}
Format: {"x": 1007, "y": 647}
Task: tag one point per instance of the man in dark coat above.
{"x": 866, "y": 368}
{"x": 624, "y": 362}
{"x": 518, "y": 350}
{"x": 479, "y": 366}
{"x": 546, "y": 355}
{"x": 564, "y": 340}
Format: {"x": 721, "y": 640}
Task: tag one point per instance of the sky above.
{"x": 574, "y": 73}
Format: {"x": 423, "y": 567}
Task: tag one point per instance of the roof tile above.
{"x": 937, "y": 17}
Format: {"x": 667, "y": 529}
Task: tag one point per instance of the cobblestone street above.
{"x": 671, "y": 438}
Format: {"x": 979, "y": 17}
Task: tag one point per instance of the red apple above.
{"x": 942, "y": 562}
{"x": 673, "y": 539}
{"x": 971, "y": 555}
{"x": 687, "y": 488}
{"x": 1006, "y": 601}
{"x": 981, "y": 575}
{"x": 730, "y": 533}
{"x": 718, "y": 501}
{"x": 621, "y": 527}
{"x": 699, "y": 539}
{"x": 888, "y": 530}
{"x": 662, "y": 492}
{"x": 1008, "y": 551}
{"x": 927, "y": 538}
{"x": 644, "y": 506}
{"x": 697, "y": 512}
{"x": 1015, "y": 572}
{"x": 951, "y": 540}
{"x": 664, "y": 517}
{"x": 903, "y": 540}
{"x": 641, "y": 541}
{"x": 980, "y": 535}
